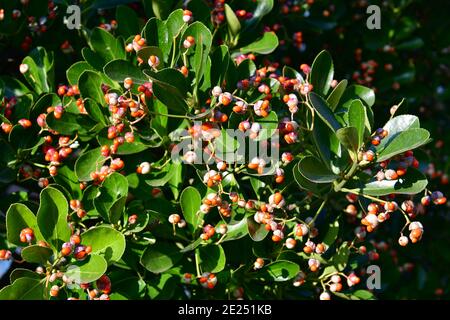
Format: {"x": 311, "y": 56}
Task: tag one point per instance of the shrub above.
{"x": 121, "y": 216}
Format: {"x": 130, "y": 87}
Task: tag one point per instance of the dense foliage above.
{"x": 97, "y": 206}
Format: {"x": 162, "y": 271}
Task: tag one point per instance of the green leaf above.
{"x": 87, "y": 163}
{"x": 397, "y": 125}
{"x": 40, "y": 74}
{"x": 87, "y": 270}
{"x": 74, "y": 72}
{"x": 199, "y": 52}
{"x": 340, "y": 259}
{"x": 45, "y": 101}
{"x": 52, "y": 217}
{"x": 363, "y": 295}
{"x": 265, "y": 45}
{"x": 118, "y": 70}
{"x": 90, "y": 86}
{"x": 411, "y": 183}
{"x": 70, "y": 123}
{"x": 24, "y": 289}
{"x": 404, "y": 141}
{"x": 355, "y": 92}
{"x": 170, "y": 87}
{"x": 291, "y": 73}
{"x": 269, "y": 126}
{"x": 263, "y": 7}
{"x": 335, "y": 95}
{"x": 234, "y": 26}
{"x": 36, "y": 254}
{"x": 192, "y": 245}
{"x": 324, "y": 111}
{"x": 127, "y": 21}
{"x": 220, "y": 60}
{"x": 160, "y": 257}
{"x": 67, "y": 178}
{"x": 332, "y": 233}
{"x": 19, "y": 217}
{"x": 333, "y": 155}
{"x": 190, "y": 201}
{"x": 257, "y": 231}
{"x": 236, "y": 230}
{"x": 281, "y": 270}
{"x": 312, "y": 169}
{"x": 114, "y": 187}
{"x": 308, "y": 185}
{"x": 106, "y": 242}
{"x": 322, "y": 72}
{"x": 146, "y": 52}
{"x": 212, "y": 258}
{"x": 357, "y": 119}
{"x": 349, "y": 138}
{"x": 106, "y": 45}
{"x": 18, "y": 273}
{"x": 156, "y": 34}
{"x": 94, "y": 111}
{"x": 127, "y": 148}
{"x": 175, "y": 23}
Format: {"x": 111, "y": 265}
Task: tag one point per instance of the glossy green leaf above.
{"x": 357, "y": 119}
{"x": 404, "y": 141}
{"x": 190, "y": 201}
{"x": 90, "y": 86}
{"x": 269, "y": 126}
{"x": 52, "y": 217}
{"x": 397, "y": 125}
{"x": 335, "y": 95}
{"x": 71, "y": 123}
{"x": 18, "y": 273}
{"x": 106, "y": 45}
{"x": 175, "y": 23}
{"x": 312, "y": 169}
{"x": 113, "y": 188}
{"x": 40, "y": 73}
{"x": 160, "y": 257}
{"x": 87, "y": 163}
{"x": 265, "y": 45}
{"x": 356, "y": 91}
{"x": 199, "y": 52}
{"x": 332, "y": 233}
{"x": 36, "y": 254}
{"x": 24, "y": 289}
{"x": 170, "y": 87}
{"x": 68, "y": 179}
{"x": 74, "y": 72}
{"x": 411, "y": 183}
{"x": 118, "y": 70}
{"x": 308, "y": 185}
{"x": 19, "y": 217}
{"x": 88, "y": 270}
{"x": 322, "y": 72}
{"x": 234, "y": 26}
{"x": 127, "y": 21}
{"x": 349, "y": 138}
{"x": 281, "y": 270}
{"x": 212, "y": 258}
{"x": 106, "y": 242}
{"x": 323, "y": 110}
{"x": 257, "y": 231}
{"x": 236, "y": 230}
{"x": 157, "y": 35}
